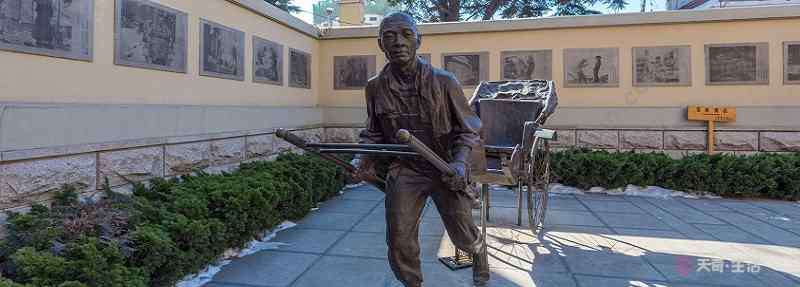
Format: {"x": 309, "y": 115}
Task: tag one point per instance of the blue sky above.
{"x": 633, "y": 6}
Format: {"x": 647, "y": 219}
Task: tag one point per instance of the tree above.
{"x": 462, "y": 10}
{"x": 285, "y": 5}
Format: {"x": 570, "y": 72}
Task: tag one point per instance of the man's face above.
{"x": 399, "y": 41}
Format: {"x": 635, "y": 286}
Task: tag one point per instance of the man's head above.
{"x": 398, "y": 38}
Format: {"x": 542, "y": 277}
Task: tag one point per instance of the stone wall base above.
{"x": 30, "y": 176}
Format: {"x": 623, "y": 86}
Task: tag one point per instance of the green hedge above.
{"x": 761, "y": 175}
{"x": 162, "y": 232}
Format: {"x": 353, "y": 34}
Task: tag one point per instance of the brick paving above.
{"x": 588, "y": 240}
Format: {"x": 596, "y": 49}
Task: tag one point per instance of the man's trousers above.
{"x": 406, "y": 194}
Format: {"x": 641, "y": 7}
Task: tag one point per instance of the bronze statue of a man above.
{"x": 429, "y": 102}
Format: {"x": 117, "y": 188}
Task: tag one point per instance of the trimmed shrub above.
{"x": 775, "y": 176}
{"x": 164, "y": 230}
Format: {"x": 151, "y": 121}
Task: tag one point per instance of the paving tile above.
{"x": 613, "y": 206}
{"x": 266, "y": 268}
{"x": 685, "y": 212}
{"x": 307, "y": 240}
{"x": 771, "y": 277}
{"x": 565, "y": 204}
{"x": 436, "y": 274}
{"x": 216, "y": 284}
{"x": 703, "y": 204}
{"x": 783, "y": 259}
{"x": 590, "y": 197}
{"x": 652, "y": 233}
{"x": 524, "y": 257}
{"x": 770, "y": 233}
{"x": 780, "y": 207}
{"x": 562, "y": 217}
{"x": 335, "y": 271}
{"x": 374, "y": 222}
{"x": 729, "y": 233}
{"x": 505, "y": 198}
{"x": 339, "y": 205}
{"x": 516, "y": 278}
{"x": 671, "y": 220}
{"x": 691, "y": 271}
{"x": 596, "y": 281}
{"x": 330, "y": 221}
{"x": 505, "y": 216}
{"x": 788, "y": 222}
{"x": 506, "y": 235}
{"x": 577, "y": 229}
{"x": 604, "y": 263}
{"x": 628, "y": 220}
{"x": 745, "y": 207}
{"x": 363, "y": 193}
{"x": 431, "y": 211}
{"x": 373, "y": 245}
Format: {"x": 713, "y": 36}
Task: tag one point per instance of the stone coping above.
{"x": 275, "y": 14}
{"x": 624, "y": 19}
{"x": 57, "y": 151}
{"x": 45, "y": 152}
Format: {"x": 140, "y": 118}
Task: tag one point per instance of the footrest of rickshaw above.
{"x": 456, "y": 262}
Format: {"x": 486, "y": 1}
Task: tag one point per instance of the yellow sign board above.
{"x": 717, "y": 114}
{"x": 711, "y": 115}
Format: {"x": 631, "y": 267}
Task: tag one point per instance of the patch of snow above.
{"x": 652, "y": 191}
{"x": 204, "y": 276}
{"x": 615, "y": 191}
{"x": 563, "y": 189}
{"x": 351, "y": 186}
{"x": 262, "y": 243}
{"x": 630, "y": 190}
{"x": 596, "y": 189}
{"x": 781, "y": 218}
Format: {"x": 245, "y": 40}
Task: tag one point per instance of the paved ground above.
{"x": 588, "y": 240}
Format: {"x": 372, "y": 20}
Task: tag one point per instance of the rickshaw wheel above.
{"x": 538, "y": 181}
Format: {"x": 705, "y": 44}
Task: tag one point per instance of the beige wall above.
{"x": 622, "y": 36}
{"x": 41, "y": 79}
{"x": 46, "y": 101}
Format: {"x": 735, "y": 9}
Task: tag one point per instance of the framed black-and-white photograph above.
{"x": 299, "y": 69}
{"x": 662, "y": 66}
{"x": 791, "y": 62}
{"x": 267, "y": 61}
{"x": 352, "y": 72}
{"x": 527, "y": 65}
{"x": 591, "y": 67}
{"x": 221, "y": 51}
{"x": 150, "y": 35}
{"x": 57, "y": 28}
{"x": 469, "y": 68}
{"x": 737, "y": 64}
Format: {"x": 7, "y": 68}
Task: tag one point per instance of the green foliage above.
{"x": 470, "y": 10}
{"x": 165, "y": 230}
{"x": 763, "y": 175}
{"x": 39, "y": 268}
